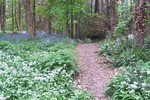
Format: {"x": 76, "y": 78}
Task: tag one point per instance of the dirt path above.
{"x": 93, "y": 76}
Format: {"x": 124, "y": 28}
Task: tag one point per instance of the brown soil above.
{"x": 92, "y": 76}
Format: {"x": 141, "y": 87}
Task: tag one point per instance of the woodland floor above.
{"x": 93, "y": 76}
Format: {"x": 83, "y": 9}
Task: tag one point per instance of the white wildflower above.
{"x": 63, "y": 72}
{"x": 148, "y": 72}
{"x": 132, "y": 91}
{"x": 143, "y": 84}
{"x": 135, "y": 83}
{"x": 123, "y": 83}
{"x": 65, "y": 65}
{"x": 2, "y": 97}
{"x": 134, "y": 86}
{"x": 40, "y": 78}
{"x": 137, "y": 98}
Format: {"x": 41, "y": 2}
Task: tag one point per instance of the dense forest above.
{"x": 76, "y": 18}
{"x": 74, "y": 49}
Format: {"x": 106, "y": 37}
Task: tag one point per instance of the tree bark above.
{"x": 97, "y": 8}
{"x": 71, "y": 22}
{"x": 139, "y": 22}
{"x": 71, "y": 25}
{"x": 3, "y": 17}
{"x": 0, "y": 12}
{"x": 50, "y": 25}
{"x": 101, "y": 7}
{"x": 30, "y": 16}
{"x": 91, "y": 6}
{"x": 112, "y": 16}
{"x": 15, "y": 13}
{"x": 19, "y": 16}
{"x": 12, "y": 13}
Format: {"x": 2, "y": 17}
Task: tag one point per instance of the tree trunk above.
{"x": 71, "y": 21}
{"x": 49, "y": 25}
{"x": 107, "y": 8}
{"x": 67, "y": 25}
{"x": 0, "y": 13}
{"x": 15, "y": 9}
{"x": 34, "y": 17}
{"x": 12, "y": 13}
{"x": 101, "y": 7}
{"x": 40, "y": 17}
{"x": 30, "y": 17}
{"x": 3, "y": 17}
{"x": 71, "y": 25}
{"x": 91, "y": 6}
{"x": 112, "y": 16}
{"x": 19, "y": 16}
{"x": 97, "y": 8}
{"x": 139, "y": 22}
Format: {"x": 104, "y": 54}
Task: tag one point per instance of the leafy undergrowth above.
{"x": 36, "y": 70}
{"x": 133, "y": 81}
{"x": 123, "y": 53}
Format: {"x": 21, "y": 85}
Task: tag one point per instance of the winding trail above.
{"x": 93, "y": 76}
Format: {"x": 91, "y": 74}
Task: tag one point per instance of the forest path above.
{"x": 92, "y": 76}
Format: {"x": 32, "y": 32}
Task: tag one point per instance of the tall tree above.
{"x": 19, "y": 16}
{"x": 97, "y": 8}
{"x": 29, "y": 6}
{"x": 71, "y": 19}
{"x": 3, "y": 15}
{"x": 112, "y": 15}
{"x": 13, "y": 19}
{"x": 101, "y": 6}
{"x": 0, "y": 11}
{"x": 92, "y": 6}
{"x": 40, "y": 18}
{"x": 139, "y": 21}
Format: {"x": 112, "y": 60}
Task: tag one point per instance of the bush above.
{"x": 4, "y": 45}
{"x": 123, "y": 53}
{"x": 120, "y": 28}
{"x": 120, "y": 52}
{"x": 132, "y": 84}
{"x": 95, "y": 27}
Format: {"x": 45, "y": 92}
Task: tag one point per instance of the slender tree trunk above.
{"x": 139, "y": 22}
{"x": 40, "y": 17}
{"x": 71, "y": 25}
{"x": 0, "y": 13}
{"x": 91, "y": 6}
{"x": 97, "y": 8}
{"x": 71, "y": 22}
{"x": 19, "y": 16}
{"x": 77, "y": 27}
{"x": 16, "y": 19}
{"x": 12, "y": 13}
{"x": 34, "y": 17}
{"x": 67, "y": 25}
{"x": 50, "y": 25}
{"x": 3, "y": 17}
{"x": 107, "y": 8}
{"x": 101, "y": 7}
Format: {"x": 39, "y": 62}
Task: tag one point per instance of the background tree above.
{"x": 3, "y": 15}
{"x": 139, "y": 21}
{"x": 112, "y": 15}
{"x": 29, "y": 7}
{"x": 19, "y": 16}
